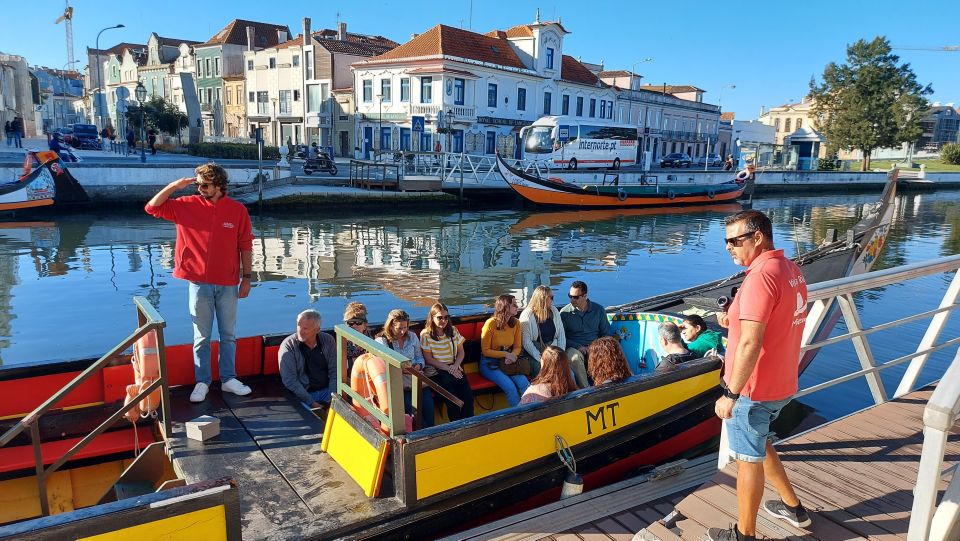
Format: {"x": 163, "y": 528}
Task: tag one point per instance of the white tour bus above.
{"x": 575, "y": 143}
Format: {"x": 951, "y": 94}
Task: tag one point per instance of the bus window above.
{"x": 539, "y": 140}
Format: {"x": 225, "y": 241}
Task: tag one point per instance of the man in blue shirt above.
{"x": 583, "y": 322}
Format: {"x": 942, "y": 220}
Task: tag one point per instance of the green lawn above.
{"x": 932, "y": 165}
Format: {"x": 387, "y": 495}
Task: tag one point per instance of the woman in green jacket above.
{"x": 698, "y": 337}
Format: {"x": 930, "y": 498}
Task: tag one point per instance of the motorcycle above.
{"x": 323, "y": 162}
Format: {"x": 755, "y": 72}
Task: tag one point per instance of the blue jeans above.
{"x": 749, "y": 429}
{"x": 16, "y": 140}
{"x": 426, "y": 406}
{"x": 322, "y": 396}
{"x": 207, "y": 301}
{"x": 512, "y": 386}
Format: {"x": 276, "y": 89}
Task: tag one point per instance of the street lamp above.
{"x": 100, "y": 72}
{"x": 378, "y": 139}
{"x": 449, "y": 129}
{"x": 633, "y": 70}
{"x": 720, "y": 108}
{"x": 141, "y": 93}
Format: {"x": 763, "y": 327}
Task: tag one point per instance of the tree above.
{"x": 870, "y": 102}
{"x": 158, "y": 114}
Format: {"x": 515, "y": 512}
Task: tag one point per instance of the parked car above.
{"x": 64, "y": 134}
{"x": 712, "y": 160}
{"x": 85, "y": 136}
{"x": 676, "y": 159}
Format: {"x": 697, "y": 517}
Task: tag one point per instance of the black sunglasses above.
{"x": 739, "y": 239}
{"x": 204, "y": 185}
{"x": 356, "y": 321}
{"x": 575, "y": 297}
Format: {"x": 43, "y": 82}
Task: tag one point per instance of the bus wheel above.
{"x": 572, "y": 164}
{"x": 616, "y": 163}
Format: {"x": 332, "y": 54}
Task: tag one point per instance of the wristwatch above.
{"x": 730, "y": 394}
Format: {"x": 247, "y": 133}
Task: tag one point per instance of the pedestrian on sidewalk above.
{"x": 131, "y": 141}
{"x": 765, "y": 323}
{"x": 6, "y": 133}
{"x": 215, "y": 255}
{"x": 152, "y": 138}
{"x": 17, "y": 132}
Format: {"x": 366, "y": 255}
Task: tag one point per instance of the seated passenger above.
{"x": 308, "y": 360}
{"x": 608, "y": 364}
{"x": 355, "y": 316}
{"x": 542, "y": 326}
{"x": 396, "y": 335}
{"x": 671, "y": 342}
{"x": 442, "y": 347}
{"x": 500, "y": 338}
{"x": 555, "y": 379}
{"x": 698, "y": 337}
{"x": 583, "y": 322}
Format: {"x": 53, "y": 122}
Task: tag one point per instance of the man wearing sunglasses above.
{"x": 583, "y": 322}
{"x": 214, "y": 254}
{"x": 765, "y": 322}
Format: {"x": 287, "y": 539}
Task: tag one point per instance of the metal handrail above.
{"x": 149, "y": 320}
{"x": 927, "y": 520}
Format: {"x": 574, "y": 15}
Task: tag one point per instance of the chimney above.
{"x": 342, "y": 31}
{"x": 306, "y": 30}
{"x": 250, "y": 33}
{"x": 762, "y": 112}
{"x": 281, "y": 35}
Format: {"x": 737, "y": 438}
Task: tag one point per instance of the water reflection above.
{"x": 66, "y": 285}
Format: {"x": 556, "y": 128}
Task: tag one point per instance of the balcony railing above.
{"x": 425, "y": 110}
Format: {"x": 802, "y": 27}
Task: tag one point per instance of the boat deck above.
{"x": 270, "y": 445}
{"x": 856, "y": 476}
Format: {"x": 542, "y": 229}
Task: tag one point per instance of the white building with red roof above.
{"x": 475, "y": 91}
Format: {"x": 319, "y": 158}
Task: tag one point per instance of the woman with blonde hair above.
{"x": 542, "y": 326}
{"x": 443, "y": 349}
{"x": 396, "y": 335}
{"x": 555, "y": 379}
{"x": 500, "y": 339}
{"x": 355, "y": 316}
{"x": 607, "y": 363}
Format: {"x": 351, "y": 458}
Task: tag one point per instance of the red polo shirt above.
{"x": 210, "y": 237}
{"x": 774, "y": 292}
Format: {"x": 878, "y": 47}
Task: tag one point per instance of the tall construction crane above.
{"x": 67, "y": 19}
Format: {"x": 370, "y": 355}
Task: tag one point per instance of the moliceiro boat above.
{"x": 45, "y": 181}
{"x": 555, "y": 192}
{"x": 278, "y": 470}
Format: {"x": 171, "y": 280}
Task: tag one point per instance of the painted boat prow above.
{"x": 45, "y": 181}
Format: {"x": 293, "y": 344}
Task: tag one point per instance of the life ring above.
{"x": 368, "y": 378}
{"x": 622, "y": 194}
{"x": 671, "y": 195}
{"x": 711, "y": 194}
{"x": 146, "y": 370}
{"x": 742, "y": 176}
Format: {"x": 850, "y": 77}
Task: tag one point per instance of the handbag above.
{"x": 519, "y": 368}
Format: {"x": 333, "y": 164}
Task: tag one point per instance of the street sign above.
{"x": 563, "y": 132}
{"x": 121, "y": 106}
{"x": 416, "y": 123}
{"x": 122, "y": 93}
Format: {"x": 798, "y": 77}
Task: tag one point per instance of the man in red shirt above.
{"x": 765, "y": 323}
{"x": 214, "y": 247}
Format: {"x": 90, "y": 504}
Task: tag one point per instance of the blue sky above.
{"x": 768, "y": 50}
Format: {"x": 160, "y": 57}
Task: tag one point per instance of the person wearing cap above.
{"x": 214, "y": 253}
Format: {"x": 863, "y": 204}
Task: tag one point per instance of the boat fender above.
{"x": 572, "y": 485}
{"x": 146, "y": 370}
{"x": 742, "y": 176}
{"x": 622, "y": 194}
{"x": 671, "y": 195}
{"x": 711, "y": 194}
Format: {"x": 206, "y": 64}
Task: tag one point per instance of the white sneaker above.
{"x": 236, "y": 387}
{"x": 199, "y": 393}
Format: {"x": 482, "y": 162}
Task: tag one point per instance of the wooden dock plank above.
{"x": 615, "y": 530}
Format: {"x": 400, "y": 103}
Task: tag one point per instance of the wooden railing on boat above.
{"x": 148, "y": 320}
{"x": 927, "y": 519}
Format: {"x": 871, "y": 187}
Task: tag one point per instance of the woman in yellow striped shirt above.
{"x": 442, "y": 347}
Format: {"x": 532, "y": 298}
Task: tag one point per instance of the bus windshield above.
{"x": 539, "y": 140}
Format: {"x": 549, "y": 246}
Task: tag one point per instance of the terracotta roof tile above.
{"x": 265, "y": 34}
{"x": 616, "y": 73}
{"x": 672, "y": 89}
{"x": 573, "y": 71}
{"x": 442, "y": 40}
{"x": 353, "y": 48}
{"x": 117, "y": 49}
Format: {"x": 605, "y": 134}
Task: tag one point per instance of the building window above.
{"x": 216, "y": 67}
{"x": 549, "y": 58}
{"x": 229, "y": 96}
{"x": 799, "y": 123}
{"x": 313, "y": 98}
{"x": 296, "y": 60}
{"x": 491, "y": 142}
{"x": 547, "y": 102}
{"x": 776, "y": 124}
{"x": 426, "y": 90}
{"x": 603, "y": 108}
{"x": 272, "y": 63}
{"x": 206, "y": 62}
{"x": 786, "y": 125}
{"x": 593, "y": 107}
{"x": 491, "y": 95}
{"x": 309, "y": 61}
{"x": 250, "y": 65}
{"x": 405, "y": 89}
{"x": 579, "y": 105}
{"x": 610, "y": 110}
{"x": 367, "y": 90}
{"x": 324, "y": 98}
{"x": 285, "y": 103}
{"x": 459, "y": 91}
{"x": 521, "y": 99}
{"x": 565, "y": 104}
{"x": 263, "y": 103}
{"x": 385, "y": 94}
{"x": 250, "y": 96}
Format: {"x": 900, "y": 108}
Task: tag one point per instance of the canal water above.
{"x": 66, "y": 284}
